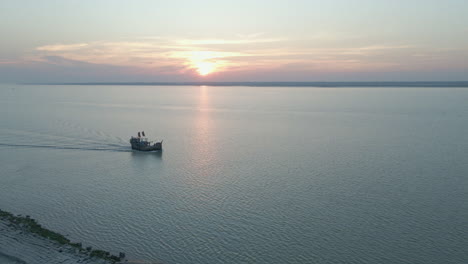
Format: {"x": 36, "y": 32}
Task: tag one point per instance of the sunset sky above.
{"x": 242, "y": 40}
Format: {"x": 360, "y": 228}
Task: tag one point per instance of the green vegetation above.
{"x": 31, "y": 225}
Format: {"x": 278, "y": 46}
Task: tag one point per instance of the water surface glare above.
{"x": 248, "y": 174}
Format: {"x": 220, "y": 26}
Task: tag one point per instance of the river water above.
{"x": 247, "y": 174}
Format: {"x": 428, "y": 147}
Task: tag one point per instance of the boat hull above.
{"x": 148, "y": 148}
{"x": 143, "y": 145}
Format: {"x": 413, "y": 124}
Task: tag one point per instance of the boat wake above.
{"x": 21, "y": 138}
{"x": 114, "y": 148}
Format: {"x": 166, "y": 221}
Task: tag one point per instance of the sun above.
{"x": 204, "y": 62}
{"x": 204, "y": 67}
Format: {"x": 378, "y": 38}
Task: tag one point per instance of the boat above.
{"x": 141, "y": 143}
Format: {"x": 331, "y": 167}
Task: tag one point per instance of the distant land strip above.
{"x": 460, "y": 84}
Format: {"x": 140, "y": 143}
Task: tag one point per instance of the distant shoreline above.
{"x": 453, "y": 84}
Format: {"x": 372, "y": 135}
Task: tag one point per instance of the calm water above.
{"x": 247, "y": 175}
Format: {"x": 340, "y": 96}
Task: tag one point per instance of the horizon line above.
{"x": 428, "y": 84}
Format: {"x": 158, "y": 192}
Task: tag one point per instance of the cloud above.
{"x": 204, "y": 42}
{"x": 186, "y": 56}
{"x": 62, "y": 47}
{"x": 177, "y": 59}
{"x": 227, "y": 53}
{"x": 6, "y": 62}
{"x": 60, "y": 69}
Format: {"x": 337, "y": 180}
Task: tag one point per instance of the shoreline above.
{"x": 24, "y": 241}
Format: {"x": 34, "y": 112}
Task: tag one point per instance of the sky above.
{"x": 241, "y": 40}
